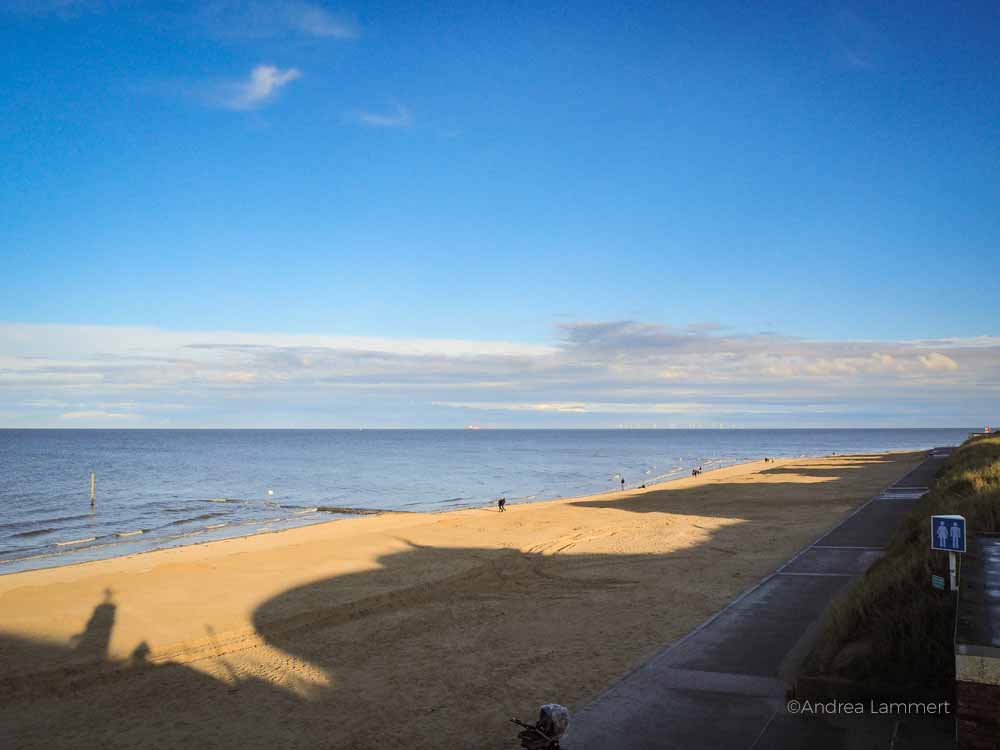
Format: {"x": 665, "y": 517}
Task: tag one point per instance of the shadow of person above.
{"x": 93, "y": 642}
{"x": 140, "y": 655}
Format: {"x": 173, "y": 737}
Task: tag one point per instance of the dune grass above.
{"x": 892, "y": 628}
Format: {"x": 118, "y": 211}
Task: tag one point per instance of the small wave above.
{"x": 7, "y": 560}
{"x": 36, "y": 532}
{"x": 663, "y": 478}
{"x": 70, "y": 549}
{"x": 167, "y": 540}
{"x": 33, "y": 521}
{"x": 77, "y": 541}
{"x": 202, "y": 517}
{"x": 93, "y": 544}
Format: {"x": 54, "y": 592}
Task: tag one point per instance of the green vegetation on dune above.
{"x": 892, "y": 629}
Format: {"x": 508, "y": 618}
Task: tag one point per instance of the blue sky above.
{"x": 810, "y": 183}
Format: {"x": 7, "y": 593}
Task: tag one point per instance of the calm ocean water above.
{"x": 161, "y": 488}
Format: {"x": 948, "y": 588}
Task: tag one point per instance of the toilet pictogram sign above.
{"x": 948, "y": 533}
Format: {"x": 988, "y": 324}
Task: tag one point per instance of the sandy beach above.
{"x": 407, "y": 630}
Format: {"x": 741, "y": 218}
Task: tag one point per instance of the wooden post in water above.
{"x": 92, "y": 489}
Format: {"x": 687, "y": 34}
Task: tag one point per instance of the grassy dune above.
{"x": 889, "y": 628}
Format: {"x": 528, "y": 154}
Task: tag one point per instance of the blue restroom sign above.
{"x": 948, "y": 533}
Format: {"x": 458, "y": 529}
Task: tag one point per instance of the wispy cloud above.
{"x": 262, "y": 86}
{"x": 397, "y": 117}
{"x": 235, "y": 20}
{"x": 315, "y": 20}
{"x": 265, "y": 19}
{"x": 59, "y": 8}
{"x": 856, "y": 41}
{"x": 590, "y": 372}
{"x": 580, "y": 407}
{"x": 97, "y": 415}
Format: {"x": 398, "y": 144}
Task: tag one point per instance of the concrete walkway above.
{"x": 723, "y": 685}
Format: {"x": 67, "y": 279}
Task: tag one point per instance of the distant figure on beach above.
{"x": 501, "y": 504}
{"x": 623, "y": 484}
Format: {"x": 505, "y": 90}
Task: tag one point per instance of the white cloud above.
{"x": 44, "y": 403}
{"x": 268, "y": 19}
{"x": 97, "y": 415}
{"x": 936, "y": 361}
{"x": 315, "y": 20}
{"x": 263, "y": 84}
{"x": 398, "y": 117}
{"x": 579, "y": 407}
{"x": 590, "y": 369}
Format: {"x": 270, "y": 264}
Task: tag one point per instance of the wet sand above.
{"x": 408, "y": 630}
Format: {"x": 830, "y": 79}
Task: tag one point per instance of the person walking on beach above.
{"x": 501, "y": 504}
{"x": 623, "y": 484}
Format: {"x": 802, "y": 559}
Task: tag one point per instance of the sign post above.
{"x": 948, "y": 535}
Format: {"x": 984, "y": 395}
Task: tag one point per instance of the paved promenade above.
{"x": 723, "y": 685}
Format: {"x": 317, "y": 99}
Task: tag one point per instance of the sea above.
{"x": 165, "y": 488}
